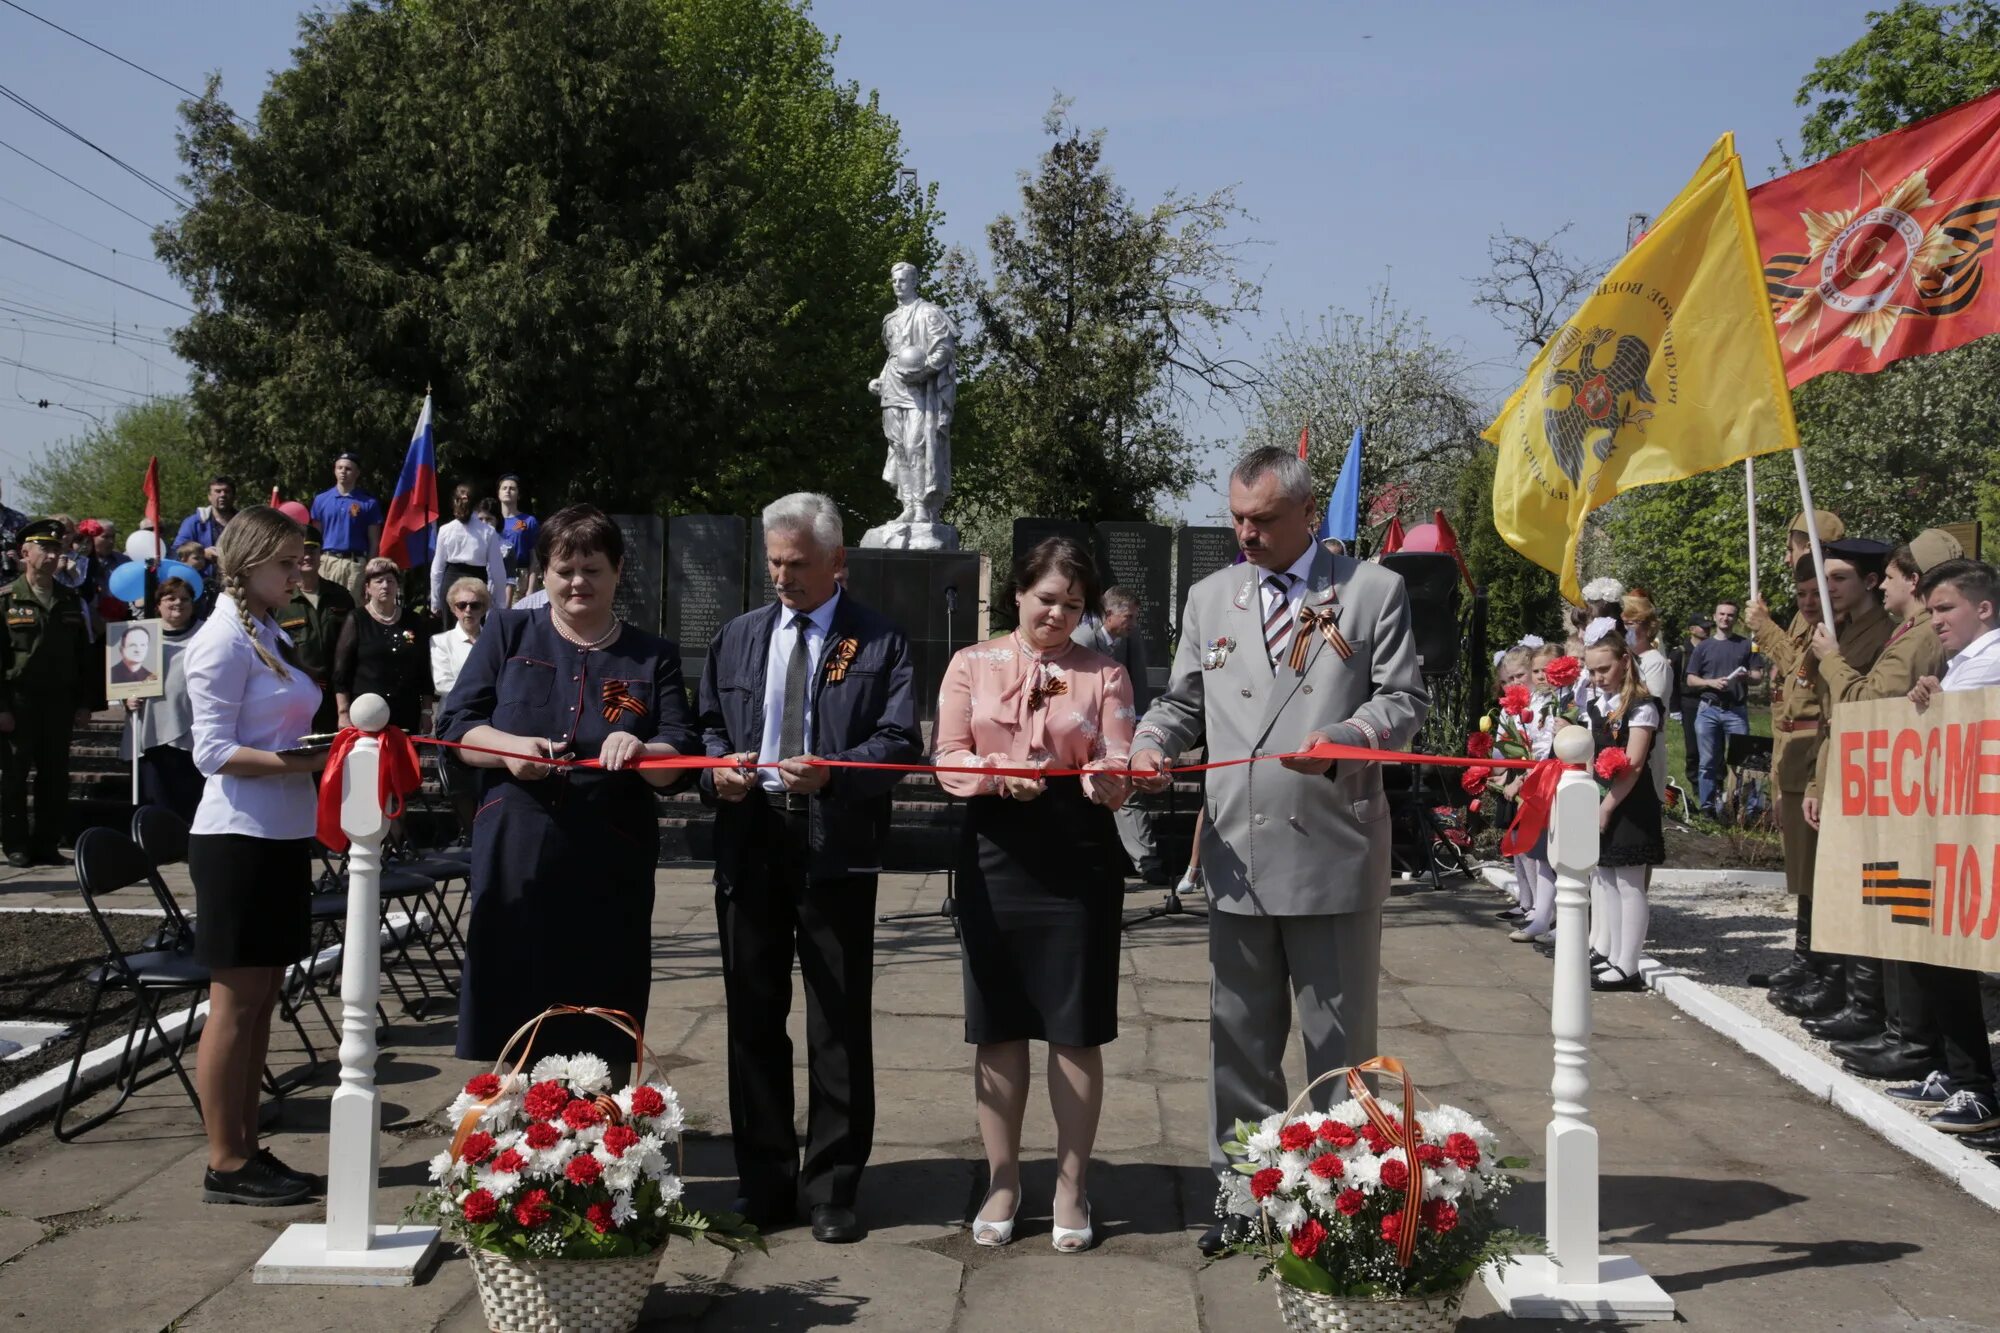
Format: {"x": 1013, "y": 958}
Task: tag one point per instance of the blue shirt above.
{"x": 200, "y": 526}
{"x": 344, "y": 520}
{"x": 518, "y": 533}
{"x": 776, "y": 666}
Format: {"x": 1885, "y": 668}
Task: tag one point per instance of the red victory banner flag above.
{"x": 1880, "y": 252}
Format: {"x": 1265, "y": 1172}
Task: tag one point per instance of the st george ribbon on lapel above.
{"x": 1326, "y": 620}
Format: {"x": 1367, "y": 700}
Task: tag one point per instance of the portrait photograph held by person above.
{"x": 135, "y": 665}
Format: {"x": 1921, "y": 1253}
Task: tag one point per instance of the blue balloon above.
{"x": 128, "y": 581}
{"x": 174, "y": 569}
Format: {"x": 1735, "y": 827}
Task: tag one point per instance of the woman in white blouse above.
{"x": 466, "y": 548}
{"x": 469, "y": 602}
{"x": 250, "y": 848}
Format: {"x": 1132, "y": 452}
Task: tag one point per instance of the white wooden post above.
{"x": 350, "y": 1249}
{"x": 1574, "y": 1281}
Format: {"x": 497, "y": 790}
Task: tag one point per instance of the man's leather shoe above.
{"x": 1849, "y": 1024}
{"x": 834, "y": 1224}
{"x": 1864, "y": 1047}
{"x": 1986, "y": 1140}
{"x": 20, "y": 860}
{"x": 766, "y": 1217}
{"x": 1817, "y": 997}
{"x": 1233, "y": 1229}
{"x": 1899, "y": 1064}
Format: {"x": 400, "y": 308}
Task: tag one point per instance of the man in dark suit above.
{"x": 798, "y": 847}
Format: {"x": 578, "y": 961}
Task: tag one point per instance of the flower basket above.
{"x": 1374, "y": 1215}
{"x": 561, "y": 1191}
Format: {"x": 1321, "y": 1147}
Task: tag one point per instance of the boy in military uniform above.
{"x": 52, "y": 679}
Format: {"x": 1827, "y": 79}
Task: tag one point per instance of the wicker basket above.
{"x": 562, "y": 1295}
{"x": 1309, "y": 1312}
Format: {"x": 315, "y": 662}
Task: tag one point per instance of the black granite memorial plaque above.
{"x": 759, "y": 583}
{"x": 1199, "y": 552}
{"x": 933, "y": 596}
{"x": 1139, "y": 558}
{"x": 705, "y": 564}
{"x": 637, "y": 597}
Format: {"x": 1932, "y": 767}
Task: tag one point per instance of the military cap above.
{"x": 1934, "y": 546}
{"x": 313, "y": 540}
{"x": 1831, "y": 529}
{"x": 44, "y": 532}
{"x": 1866, "y": 555}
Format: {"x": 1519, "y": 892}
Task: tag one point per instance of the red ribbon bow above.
{"x": 398, "y": 777}
{"x": 1531, "y": 817}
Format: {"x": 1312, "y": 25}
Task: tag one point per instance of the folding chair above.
{"x": 411, "y": 893}
{"x": 107, "y": 861}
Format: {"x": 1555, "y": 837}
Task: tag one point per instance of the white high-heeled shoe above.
{"x": 1073, "y": 1240}
{"x": 995, "y": 1234}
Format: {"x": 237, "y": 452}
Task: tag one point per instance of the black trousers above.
{"x": 1690, "y": 745}
{"x": 1952, "y": 1005}
{"x": 39, "y": 742}
{"x": 773, "y": 913}
{"x": 167, "y": 776}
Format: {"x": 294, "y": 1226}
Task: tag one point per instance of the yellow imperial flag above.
{"x": 1670, "y": 367}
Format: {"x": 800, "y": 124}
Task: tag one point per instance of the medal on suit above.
{"x": 1216, "y": 653}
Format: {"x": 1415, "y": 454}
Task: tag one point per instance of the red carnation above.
{"x": 580, "y": 1114}
{"x": 1296, "y": 1137}
{"x": 1463, "y": 1150}
{"x": 478, "y": 1147}
{"x": 1613, "y": 763}
{"x": 1378, "y": 1142}
{"x": 480, "y": 1206}
{"x": 543, "y": 1136}
{"x": 545, "y": 1101}
{"x": 1517, "y": 699}
{"x": 1429, "y": 1154}
{"x": 618, "y": 1138}
{"x": 1474, "y": 778}
{"x": 1395, "y": 1175}
{"x": 646, "y": 1100}
{"x": 1328, "y": 1167}
{"x": 1392, "y": 1227}
{"x": 533, "y": 1209}
{"x": 583, "y": 1169}
{"x": 1439, "y": 1215}
{"x": 483, "y": 1086}
{"x": 1563, "y": 672}
{"x": 599, "y": 1216}
{"x": 1265, "y": 1183}
{"x": 1479, "y": 744}
{"x": 509, "y": 1162}
{"x": 1306, "y": 1240}
{"x": 1350, "y": 1202}
{"x": 1339, "y": 1135}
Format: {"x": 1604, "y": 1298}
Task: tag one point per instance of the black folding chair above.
{"x": 107, "y": 861}
{"x": 412, "y": 894}
{"x": 163, "y": 836}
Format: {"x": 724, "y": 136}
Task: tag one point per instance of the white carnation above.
{"x": 1263, "y": 1142}
{"x": 671, "y": 1189}
{"x": 1286, "y": 1214}
{"x": 1348, "y": 1113}
{"x": 622, "y": 1210}
{"x": 501, "y": 1183}
{"x": 621, "y": 1173}
{"x": 1292, "y": 1169}
{"x": 589, "y": 1072}
{"x": 550, "y": 1067}
{"x": 1365, "y": 1172}
{"x": 446, "y": 1171}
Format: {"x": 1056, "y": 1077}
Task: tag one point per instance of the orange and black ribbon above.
{"x": 1325, "y": 620}
{"x": 618, "y": 700}
{"x": 839, "y": 658}
{"x": 1400, "y": 1134}
{"x": 1046, "y": 687}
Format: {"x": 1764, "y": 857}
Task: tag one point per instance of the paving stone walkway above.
{"x": 1758, "y": 1208}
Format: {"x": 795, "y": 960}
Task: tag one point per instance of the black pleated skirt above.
{"x": 1040, "y": 893}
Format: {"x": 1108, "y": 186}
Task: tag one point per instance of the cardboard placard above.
{"x": 1909, "y": 843}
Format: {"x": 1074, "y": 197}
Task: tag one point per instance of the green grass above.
{"x": 1678, "y": 767}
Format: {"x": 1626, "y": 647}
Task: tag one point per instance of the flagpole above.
{"x": 1750, "y": 500}
{"x": 1812, "y": 535}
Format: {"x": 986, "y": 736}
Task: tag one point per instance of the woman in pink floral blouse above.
{"x": 1040, "y": 874}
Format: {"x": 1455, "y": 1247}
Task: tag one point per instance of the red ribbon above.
{"x": 1531, "y": 816}
{"x": 398, "y": 777}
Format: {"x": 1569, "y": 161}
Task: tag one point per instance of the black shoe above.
{"x": 766, "y": 1217}
{"x": 1865, "y": 1048}
{"x": 1986, "y": 1140}
{"x": 253, "y": 1183}
{"x": 1155, "y": 873}
{"x": 314, "y": 1184}
{"x": 834, "y": 1224}
{"x": 1233, "y": 1229}
{"x": 1821, "y": 996}
{"x": 1900, "y": 1065}
{"x": 20, "y": 860}
{"x": 1849, "y": 1024}
{"x": 1598, "y": 962}
{"x": 1611, "y": 979}
{"x": 1793, "y": 974}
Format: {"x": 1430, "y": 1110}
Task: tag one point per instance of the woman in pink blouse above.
{"x": 1040, "y": 874}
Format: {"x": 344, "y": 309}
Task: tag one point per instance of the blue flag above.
{"x": 1343, "y": 507}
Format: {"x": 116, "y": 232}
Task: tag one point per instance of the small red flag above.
{"x": 153, "y": 506}
{"x": 1392, "y": 539}
{"x": 1305, "y": 438}
{"x": 1448, "y": 543}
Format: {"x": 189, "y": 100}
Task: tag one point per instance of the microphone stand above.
{"x": 947, "y": 909}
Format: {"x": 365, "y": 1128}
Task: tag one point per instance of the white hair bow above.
{"x": 1530, "y": 641}
{"x": 1597, "y": 629}
{"x": 1603, "y": 590}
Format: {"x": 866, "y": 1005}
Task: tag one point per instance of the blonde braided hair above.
{"x": 254, "y": 537}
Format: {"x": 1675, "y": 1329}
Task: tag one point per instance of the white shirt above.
{"x": 1977, "y": 666}
{"x": 469, "y": 543}
{"x": 448, "y": 653}
{"x": 776, "y": 664}
{"x": 239, "y": 703}
{"x": 1656, "y": 673}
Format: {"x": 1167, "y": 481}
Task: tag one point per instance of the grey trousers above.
{"x": 1135, "y": 832}
{"x": 1260, "y": 965}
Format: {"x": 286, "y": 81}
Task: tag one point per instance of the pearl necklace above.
{"x": 593, "y": 644}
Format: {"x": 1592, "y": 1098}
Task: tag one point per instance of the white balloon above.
{"x": 139, "y": 546}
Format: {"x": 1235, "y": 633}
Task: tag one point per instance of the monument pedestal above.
{"x": 911, "y": 537}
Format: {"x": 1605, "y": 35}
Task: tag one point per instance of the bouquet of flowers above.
{"x": 560, "y": 1167}
{"x": 1341, "y": 1197}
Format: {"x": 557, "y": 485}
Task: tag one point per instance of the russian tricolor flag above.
{"x": 411, "y": 527}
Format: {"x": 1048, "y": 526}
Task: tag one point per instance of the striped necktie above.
{"x": 1278, "y": 622}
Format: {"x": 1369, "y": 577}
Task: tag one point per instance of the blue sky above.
{"x": 1370, "y": 141}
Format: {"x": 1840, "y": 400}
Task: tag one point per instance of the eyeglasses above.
{"x": 468, "y": 606}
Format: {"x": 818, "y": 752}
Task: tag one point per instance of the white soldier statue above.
{"x": 918, "y": 387}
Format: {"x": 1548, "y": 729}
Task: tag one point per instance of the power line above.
{"x": 79, "y": 185}
{"x": 63, "y": 226}
{"x": 95, "y": 274}
{"x": 90, "y": 332}
{"x": 159, "y": 78}
{"x": 82, "y": 319}
{"x": 78, "y": 379}
{"x": 22, "y": 102}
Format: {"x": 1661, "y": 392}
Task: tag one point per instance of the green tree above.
{"x": 102, "y": 473}
{"x": 1521, "y": 597}
{"x": 565, "y": 215}
{"x": 1101, "y": 322}
{"x": 1914, "y": 61}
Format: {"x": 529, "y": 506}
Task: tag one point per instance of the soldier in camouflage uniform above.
{"x": 52, "y": 680}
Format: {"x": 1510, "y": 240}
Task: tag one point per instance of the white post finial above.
{"x": 350, "y": 1249}
{"x": 1574, "y": 1281}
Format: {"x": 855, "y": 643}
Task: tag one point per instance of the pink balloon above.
{"x": 295, "y": 511}
{"x": 1423, "y": 537}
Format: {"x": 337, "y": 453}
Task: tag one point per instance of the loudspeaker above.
{"x": 1434, "y": 584}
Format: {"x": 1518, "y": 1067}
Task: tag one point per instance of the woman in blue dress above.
{"x": 563, "y": 859}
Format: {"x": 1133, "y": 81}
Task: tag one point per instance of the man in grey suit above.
{"x": 1116, "y": 634}
{"x": 1294, "y": 647}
